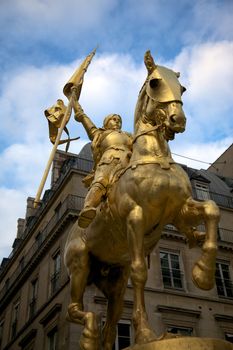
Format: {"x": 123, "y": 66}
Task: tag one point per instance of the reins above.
{"x": 156, "y": 127}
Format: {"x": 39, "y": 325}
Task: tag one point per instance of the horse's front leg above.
{"x": 138, "y": 274}
{"x": 204, "y": 269}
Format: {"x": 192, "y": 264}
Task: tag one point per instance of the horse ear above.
{"x": 149, "y": 62}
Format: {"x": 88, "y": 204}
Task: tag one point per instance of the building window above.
{"x": 39, "y": 239}
{"x": 1, "y": 331}
{"x": 33, "y": 299}
{"x": 15, "y": 317}
{"x": 223, "y": 281}
{"x": 202, "y": 191}
{"x": 22, "y": 263}
{"x": 57, "y": 210}
{"x": 7, "y": 283}
{"x": 123, "y": 336}
{"x": 184, "y": 331}
{"x": 171, "y": 273}
{"x": 56, "y": 276}
{"x": 229, "y": 337}
{"x": 52, "y": 339}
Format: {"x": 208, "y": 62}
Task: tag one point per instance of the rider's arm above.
{"x": 81, "y": 117}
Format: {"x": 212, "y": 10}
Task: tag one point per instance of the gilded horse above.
{"x": 151, "y": 192}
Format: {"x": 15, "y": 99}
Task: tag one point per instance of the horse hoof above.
{"x": 74, "y": 314}
{"x": 145, "y": 336}
{"x": 203, "y": 277}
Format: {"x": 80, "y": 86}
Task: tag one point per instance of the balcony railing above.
{"x": 220, "y": 199}
{"x": 71, "y": 203}
{"x": 82, "y": 164}
{"x": 225, "y": 235}
{"x": 78, "y": 163}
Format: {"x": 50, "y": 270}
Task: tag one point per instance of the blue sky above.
{"x": 42, "y": 43}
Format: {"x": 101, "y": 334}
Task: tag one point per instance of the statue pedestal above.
{"x": 185, "y": 343}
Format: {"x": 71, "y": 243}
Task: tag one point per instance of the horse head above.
{"x": 159, "y": 101}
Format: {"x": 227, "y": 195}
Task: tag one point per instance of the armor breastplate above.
{"x": 115, "y": 140}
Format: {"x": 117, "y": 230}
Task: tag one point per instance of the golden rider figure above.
{"x": 111, "y": 149}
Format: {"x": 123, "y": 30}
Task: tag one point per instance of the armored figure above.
{"x": 112, "y": 149}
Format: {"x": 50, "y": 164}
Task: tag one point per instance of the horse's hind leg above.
{"x": 204, "y": 269}
{"x": 78, "y": 263}
{"x": 138, "y": 274}
{"x": 113, "y": 286}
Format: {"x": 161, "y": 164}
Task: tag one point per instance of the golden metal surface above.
{"x": 112, "y": 149}
{"x": 55, "y": 115}
{"x": 185, "y": 343}
{"x": 136, "y": 189}
{"x": 59, "y": 115}
{"x": 66, "y": 116}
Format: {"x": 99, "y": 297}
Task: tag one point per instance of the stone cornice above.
{"x": 178, "y": 310}
{"x": 223, "y": 318}
{"x": 51, "y": 314}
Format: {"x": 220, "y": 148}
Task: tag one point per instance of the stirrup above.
{"x": 86, "y": 216}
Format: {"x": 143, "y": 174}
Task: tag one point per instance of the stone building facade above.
{"x": 34, "y": 286}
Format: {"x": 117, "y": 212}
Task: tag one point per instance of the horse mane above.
{"x": 140, "y": 106}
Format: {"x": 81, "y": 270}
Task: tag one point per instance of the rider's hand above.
{"x": 79, "y": 113}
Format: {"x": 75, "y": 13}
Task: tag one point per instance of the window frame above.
{"x": 171, "y": 270}
{"x": 180, "y": 328}
{"x": 124, "y": 322}
{"x": 53, "y": 332}
{"x": 2, "y": 323}
{"x": 39, "y": 239}
{"x": 228, "y": 337}
{"x": 55, "y": 279}
{"x": 223, "y": 280}
{"x": 34, "y": 285}
{"x": 202, "y": 190}
{"x": 14, "y": 319}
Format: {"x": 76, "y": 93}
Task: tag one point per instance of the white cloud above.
{"x": 58, "y": 20}
{"x": 207, "y": 72}
{"x": 206, "y": 153}
{"x": 112, "y": 86}
{"x": 27, "y": 93}
{"x": 12, "y": 206}
{"x": 21, "y": 164}
{"x": 212, "y": 19}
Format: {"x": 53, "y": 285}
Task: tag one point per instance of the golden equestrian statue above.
{"x": 127, "y": 208}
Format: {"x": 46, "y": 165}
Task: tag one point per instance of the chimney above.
{"x": 30, "y": 211}
{"x": 20, "y": 227}
{"x": 60, "y": 157}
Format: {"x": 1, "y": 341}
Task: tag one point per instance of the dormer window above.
{"x": 202, "y": 190}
